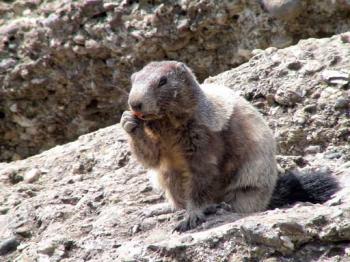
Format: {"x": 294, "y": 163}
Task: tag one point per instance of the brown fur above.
{"x": 205, "y": 147}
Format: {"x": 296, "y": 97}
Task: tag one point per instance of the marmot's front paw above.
{"x": 129, "y": 122}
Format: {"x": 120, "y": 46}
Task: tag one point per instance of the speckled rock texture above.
{"x": 65, "y": 65}
{"x": 89, "y": 200}
{"x": 303, "y": 90}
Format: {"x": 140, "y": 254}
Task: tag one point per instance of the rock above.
{"x": 309, "y": 99}
{"x": 32, "y": 175}
{"x": 8, "y": 245}
{"x": 310, "y": 108}
{"x": 95, "y": 202}
{"x": 345, "y": 38}
{"x": 283, "y": 9}
{"x": 343, "y": 4}
{"x": 287, "y": 98}
{"x": 47, "y": 248}
{"x": 14, "y": 177}
{"x": 294, "y": 65}
{"x": 6, "y": 64}
{"x": 57, "y": 56}
{"x": 79, "y": 39}
{"x": 24, "y": 231}
{"x": 336, "y": 77}
{"x": 4, "y": 210}
{"x": 312, "y": 67}
{"x": 312, "y": 149}
{"x": 135, "y": 229}
{"x": 333, "y": 155}
{"x": 342, "y": 103}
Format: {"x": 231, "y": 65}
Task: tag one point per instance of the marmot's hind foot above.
{"x": 191, "y": 221}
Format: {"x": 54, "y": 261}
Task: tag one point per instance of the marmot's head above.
{"x": 162, "y": 89}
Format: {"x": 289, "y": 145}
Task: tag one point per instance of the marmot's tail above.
{"x": 314, "y": 188}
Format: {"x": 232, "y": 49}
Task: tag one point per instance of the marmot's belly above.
{"x": 172, "y": 174}
{"x": 174, "y": 178}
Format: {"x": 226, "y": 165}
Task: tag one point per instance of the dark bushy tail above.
{"x": 315, "y": 188}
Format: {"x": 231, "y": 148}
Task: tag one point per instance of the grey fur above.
{"x": 203, "y": 144}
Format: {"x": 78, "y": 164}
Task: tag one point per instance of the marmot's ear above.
{"x": 181, "y": 67}
{"x": 186, "y": 71}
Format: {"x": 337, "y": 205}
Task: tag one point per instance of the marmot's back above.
{"x": 224, "y": 110}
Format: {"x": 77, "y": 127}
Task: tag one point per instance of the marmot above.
{"x": 207, "y": 145}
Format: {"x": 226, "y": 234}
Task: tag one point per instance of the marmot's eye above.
{"x": 162, "y": 81}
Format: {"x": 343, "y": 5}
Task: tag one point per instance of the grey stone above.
{"x": 6, "y": 64}
{"x": 336, "y": 77}
{"x": 32, "y": 175}
{"x": 8, "y": 245}
{"x": 313, "y": 149}
{"x": 95, "y": 202}
{"x": 283, "y": 9}
{"x": 342, "y": 103}
{"x": 310, "y": 108}
{"x": 56, "y": 56}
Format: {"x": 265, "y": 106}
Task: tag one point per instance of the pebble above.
{"x": 294, "y": 65}
{"x": 283, "y": 9}
{"x": 8, "y": 245}
{"x": 79, "y": 39}
{"x": 80, "y": 50}
{"x": 187, "y": 239}
{"x": 32, "y": 175}
{"x": 270, "y": 99}
{"x": 312, "y": 67}
{"x": 14, "y": 108}
{"x": 310, "y": 108}
{"x": 24, "y": 231}
{"x": 312, "y": 149}
{"x": 286, "y": 242}
{"x": 4, "y": 210}
{"x": 287, "y": 97}
{"x": 92, "y": 44}
{"x": 342, "y": 103}
{"x": 14, "y": 177}
{"x": 334, "y": 155}
{"x": 47, "y": 247}
{"x": 135, "y": 229}
{"x": 257, "y": 52}
{"x": 6, "y": 64}
{"x": 110, "y": 6}
{"x": 346, "y": 165}
{"x": 345, "y": 38}
{"x": 335, "y": 77}
{"x": 23, "y": 121}
{"x": 52, "y": 21}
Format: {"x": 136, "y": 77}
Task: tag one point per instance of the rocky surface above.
{"x": 90, "y": 200}
{"x": 65, "y": 65}
{"x": 304, "y": 92}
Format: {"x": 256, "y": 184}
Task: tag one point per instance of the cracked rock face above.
{"x": 89, "y": 200}
{"x": 65, "y": 65}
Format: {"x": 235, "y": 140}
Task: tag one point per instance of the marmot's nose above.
{"x": 136, "y": 106}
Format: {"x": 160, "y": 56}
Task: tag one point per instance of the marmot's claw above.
{"x": 213, "y": 209}
{"x": 225, "y": 206}
{"x": 190, "y": 222}
{"x": 129, "y": 122}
